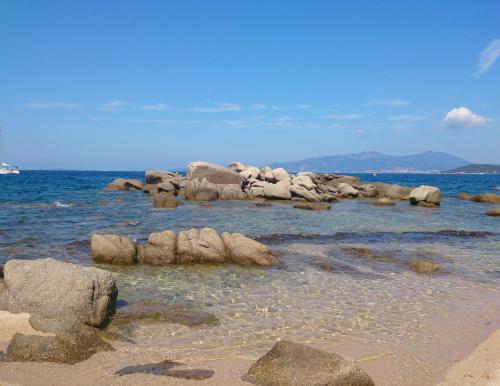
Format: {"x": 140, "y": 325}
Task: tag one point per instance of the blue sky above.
{"x": 134, "y": 85}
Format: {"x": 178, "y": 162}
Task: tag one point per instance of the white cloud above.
{"x": 345, "y": 117}
{"x": 92, "y": 117}
{"x": 114, "y": 105}
{"x": 462, "y": 117}
{"x": 156, "y": 107}
{"x": 263, "y": 106}
{"x": 217, "y": 107}
{"x": 488, "y": 56}
{"x": 52, "y": 105}
{"x": 406, "y": 118}
{"x": 390, "y": 103}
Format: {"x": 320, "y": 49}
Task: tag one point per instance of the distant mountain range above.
{"x": 477, "y": 168}
{"x": 429, "y": 161}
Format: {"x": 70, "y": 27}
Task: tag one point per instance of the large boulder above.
{"x": 488, "y": 198}
{"x": 237, "y": 166}
{"x": 125, "y": 184}
{"x": 368, "y": 190}
{"x": 301, "y": 192}
{"x": 200, "y": 246}
{"x": 279, "y": 190}
{"x": 267, "y": 172}
{"x": 165, "y": 200}
{"x": 58, "y": 290}
{"x": 425, "y": 196}
{"x": 304, "y": 181}
{"x": 294, "y": 364}
{"x": 201, "y": 190}
{"x": 158, "y": 176}
{"x": 245, "y": 251}
{"x": 250, "y": 173}
{"x": 281, "y": 174}
{"x": 346, "y": 190}
{"x": 494, "y": 212}
{"x": 394, "y": 191}
{"x": 214, "y": 173}
{"x": 231, "y": 192}
{"x": 113, "y": 249}
{"x": 160, "y": 249}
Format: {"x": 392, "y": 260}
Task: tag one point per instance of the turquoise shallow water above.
{"x": 53, "y": 214}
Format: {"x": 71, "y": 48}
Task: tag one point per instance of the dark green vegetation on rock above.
{"x": 165, "y": 368}
{"x": 294, "y": 364}
{"x": 476, "y": 168}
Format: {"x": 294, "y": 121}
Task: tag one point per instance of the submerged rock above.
{"x": 165, "y": 368}
{"x": 488, "y": 198}
{"x": 113, "y": 249}
{"x": 428, "y": 196}
{"x": 424, "y": 266}
{"x": 464, "y": 196}
{"x": 364, "y": 253}
{"x": 245, "y": 251}
{"x": 384, "y": 201}
{"x": 313, "y": 206}
{"x": 493, "y": 211}
{"x": 57, "y": 290}
{"x": 213, "y": 173}
{"x": 294, "y": 364}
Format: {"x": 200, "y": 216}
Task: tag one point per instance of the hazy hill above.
{"x": 476, "y": 168}
{"x": 376, "y": 162}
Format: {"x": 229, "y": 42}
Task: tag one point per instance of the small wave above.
{"x": 59, "y": 204}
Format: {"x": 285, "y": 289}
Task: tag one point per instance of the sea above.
{"x": 327, "y": 292}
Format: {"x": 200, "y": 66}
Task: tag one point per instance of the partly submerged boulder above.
{"x": 201, "y": 190}
{"x": 302, "y": 192}
{"x": 231, "y": 192}
{"x": 165, "y": 200}
{"x": 294, "y": 364}
{"x": 113, "y": 249}
{"x": 394, "y": 191}
{"x": 425, "y": 196}
{"x": 368, "y": 190}
{"x": 488, "y": 198}
{"x": 125, "y": 184}
{"x": 243, "y": 250}
{"x": 200, "y": 246}
{"x": 214, "y": 173}
{"x": 58, "y": 290}
{"x": 160, "y": 249}
{"x": 279, "y": 190}
{"x": 493, "y": 211}
{"x": 384, "y": 201}
{"x": 313, "y": 206}
{"x": 346, "y": 190}
{"x": 424, "y": 266}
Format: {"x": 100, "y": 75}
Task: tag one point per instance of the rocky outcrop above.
{"x": 494, "y": 212}
{"x": 191, "y": 246}
{"x": 245, "y": 251}
{"x": 394, "y": 191}
{"x": 125, "y": 184}
{"x": 201, "y": 190}
{"x": 280, "y": 190}
{"x": 165, "y": 200}
{"x": 213, "y": 173}
{"x": 347, "y": 191}
{"x": 161, "y": 249}
{"x": 250, "y": 173}
{"x": 113, "y": 249}
{"x": 368, "y": 190}
{"x": 428, "y": 196}
{"x": 294, "y": 364}
{"x": 158, "y": 176}
{"x": 281, "y": 174}
{"x": 57, "y": 290}
{"x": 231, "y": 192}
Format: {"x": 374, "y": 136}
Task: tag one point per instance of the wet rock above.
{"x": 465, "y": 196}
{"x": 165, "y": 200}
{"x": 245, "y": 251}
{"x": 160, "y": 250}
{"x": 125, "y": 184}
{"x": 213, "y": 173}
{"x": 201, "y": 190}
{"x": 493, "y": 211}
{"x": 428, "y": 196}
{"x": 294, "y": 364}
{"x": 232, "y": 192}
{"x": 72, "y": 346}
{"x": 200, "y": 246}
{"x": 165, "y": 368}
{"x": 62, "y": 291}
{"x": 147, "y": 312}
{"x": 424, "y": 266}
{"x": 113, "y": 249}
{"x": 364, "y": 253}
{"x": 384, "y": 201}
{"x": 158, "y": 176}
{"x": 488, "y": 198}
{"x": 313, "y": 206}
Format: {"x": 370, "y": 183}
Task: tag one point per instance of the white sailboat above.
{"x": 5, "y": 168}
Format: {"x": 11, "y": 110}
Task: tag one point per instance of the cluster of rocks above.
{"x": 206, "y": 181}
{"x": 67, "y": 301}
{"x": 484, "y": 198}
{"x": 191, "y": 246}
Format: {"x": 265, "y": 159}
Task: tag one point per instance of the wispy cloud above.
{"x": 216, "y": 108}
{"x": 488, "y": 56}
{"x": 156, "y": 107}
{"x": 463, "y": 118}
{"x": 389, "y": 103}
{"x": 114, "y": 105}
{"x": 52, "y": 105}
{"x": 263, "y": 106}
{"x": 92, "y": 117}
{"x": 345, "y": 117}
{"x": 406, "y": 118}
